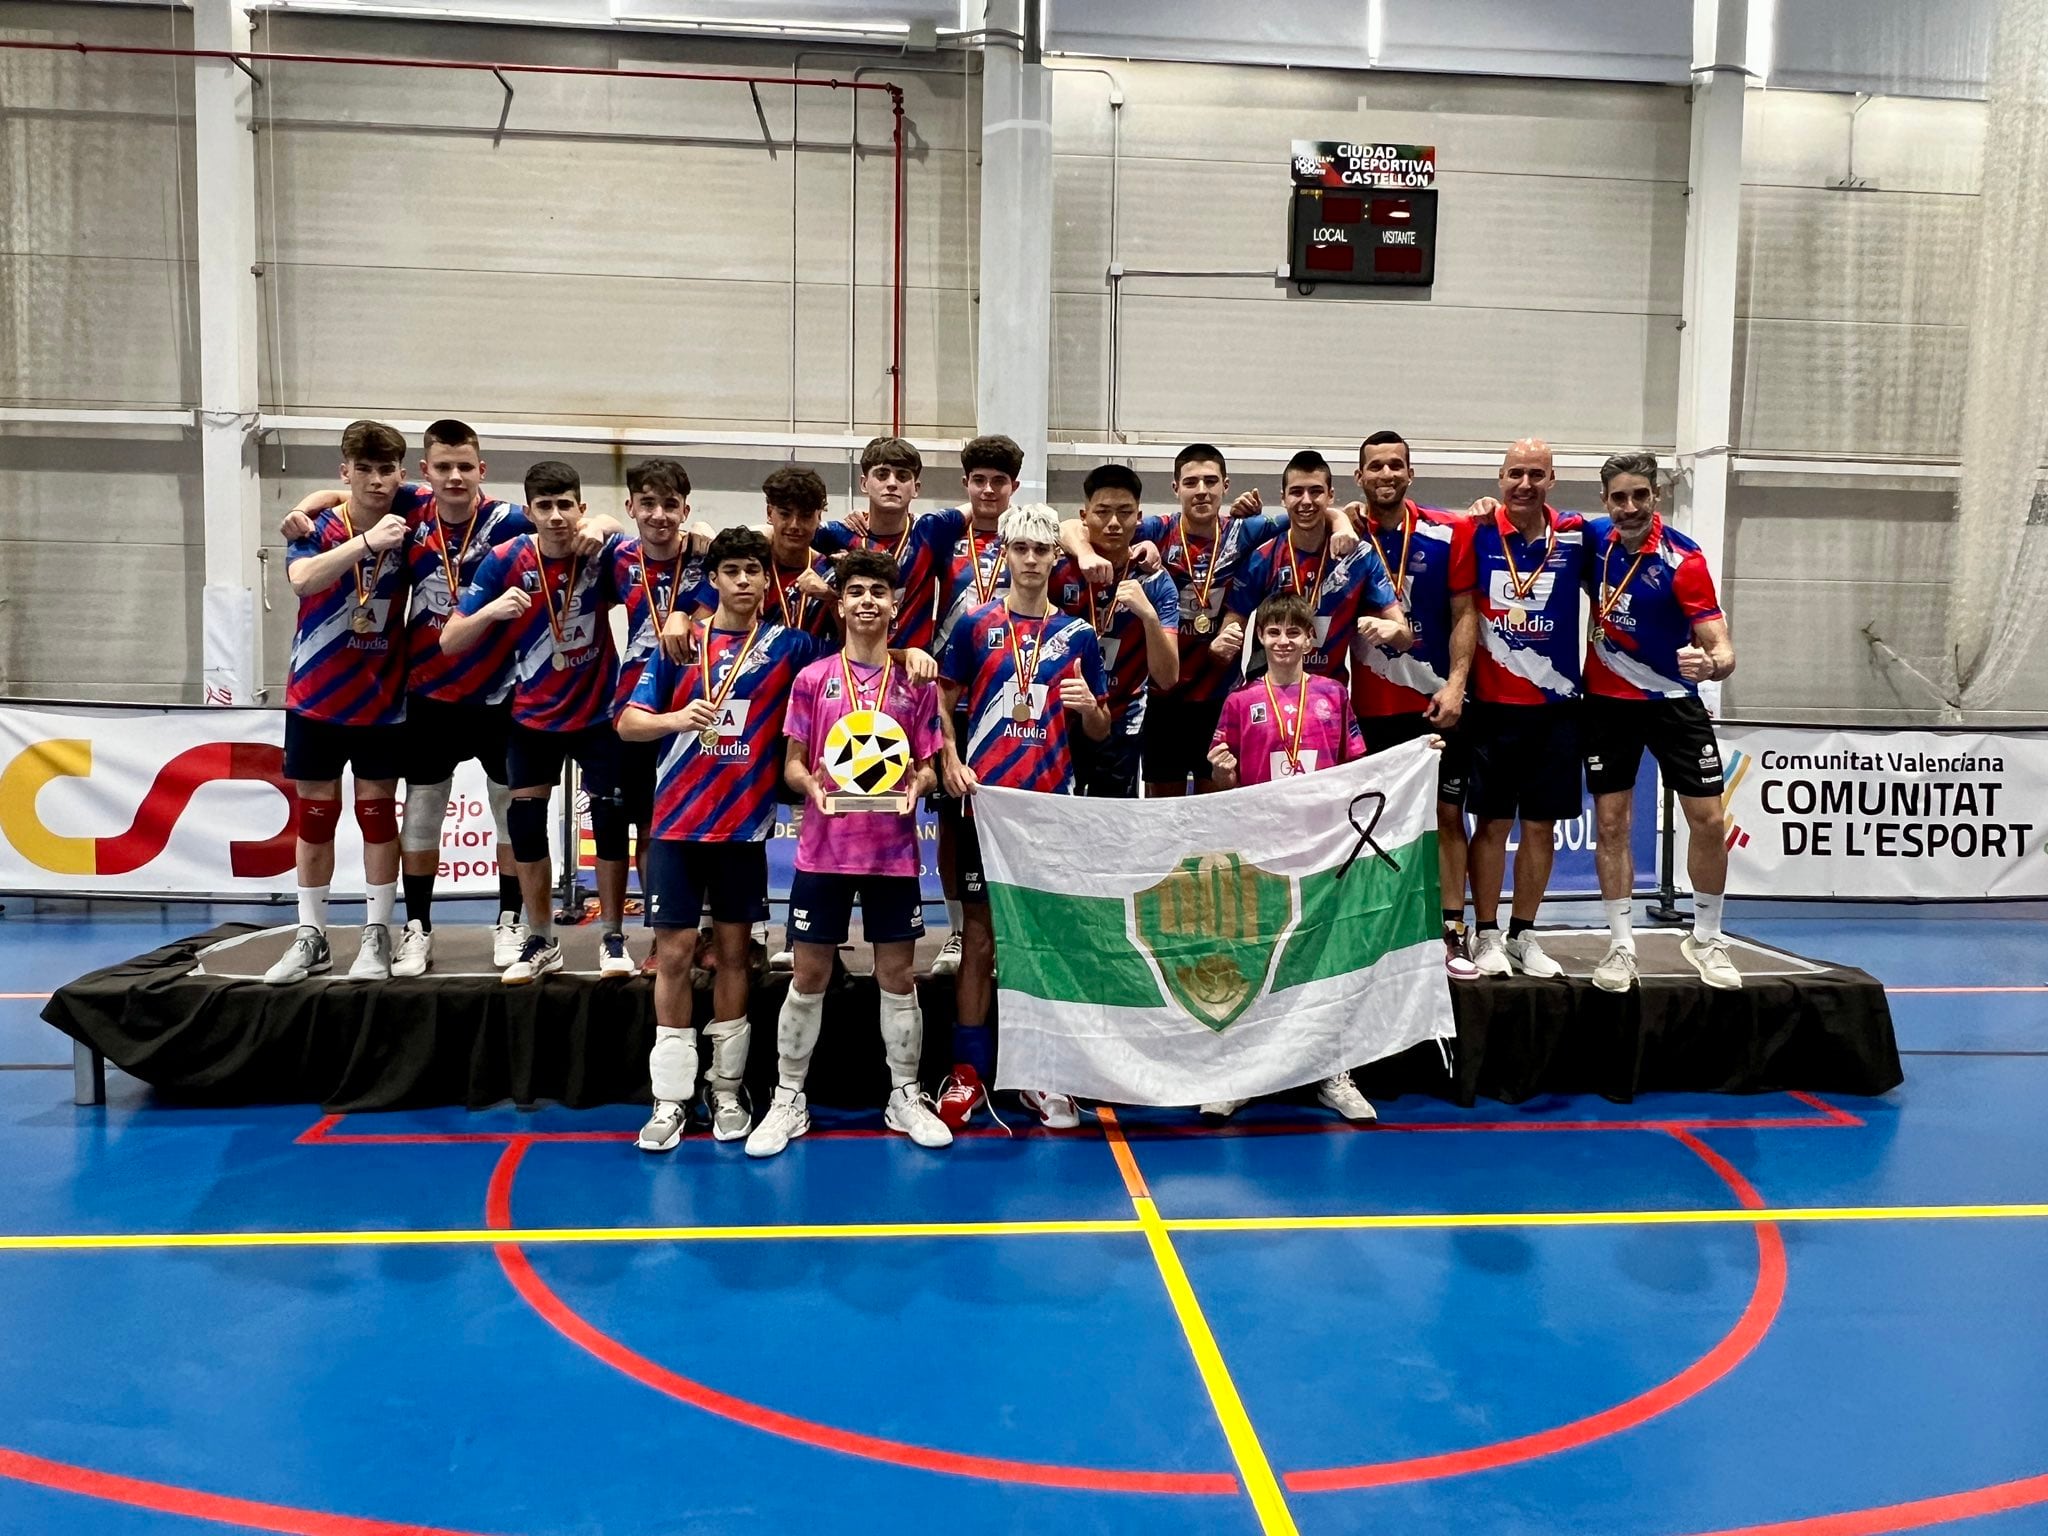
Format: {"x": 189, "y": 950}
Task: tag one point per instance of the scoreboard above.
{"x": 1363, "y": 213}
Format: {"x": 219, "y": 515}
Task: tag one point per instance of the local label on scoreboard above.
{"x": 1363, "y": 213}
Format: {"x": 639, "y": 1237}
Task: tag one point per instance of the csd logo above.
{"x": 155, "y": 818}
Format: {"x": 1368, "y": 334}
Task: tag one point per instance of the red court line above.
{"x": 1734, "y": 1348}
{"x": 1839, "y": 1116}
{"x": 1126, "y": 1164}
{"x": 170, "y": 1499}
{"x": 1999, "y": 1498}
{"x": 566, "y": 1321}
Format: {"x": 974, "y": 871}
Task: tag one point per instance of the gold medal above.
{"x": 1023, "y": 666}
{"x": 363, "y": 621}
{"x": 1202, "y": 624}
{"x": 1199, "y": 586}
{"x": 1021, "y": 711}
{"x": 1518, "y": 584}
{"x": 708, "y": 737}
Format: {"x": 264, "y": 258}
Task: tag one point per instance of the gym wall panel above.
{"x": 1877, "y": 390}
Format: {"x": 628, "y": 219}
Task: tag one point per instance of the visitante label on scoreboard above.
{"x": 1385, "y": 166}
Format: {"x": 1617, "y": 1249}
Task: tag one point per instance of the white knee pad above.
{"x": 672, "y": 1064}
{"x": 728, "y": 1039}
{"x": 426, "y": 808}
{"x": 902, "y": 1036}
{"x": 500, "y": 796}
{"x": 796, "y": 1034}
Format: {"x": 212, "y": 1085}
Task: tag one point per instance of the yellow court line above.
{"x": 88, "y": 1242}
{"x": 1256, "y": 1472}
{"x": 540, "y": 1236}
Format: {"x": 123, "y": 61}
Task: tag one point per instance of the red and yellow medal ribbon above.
{"x": 558, "y": 619}
{"x": 1201, "y": 584}
{"x": 452, "y": 568}
{"x": 1610, "y": 595}
{"x": 365, "y": 590}
{"x": 985, "y": 591}
{"x": 853, "y": 700}
{"x": 716, "y": 698}
{"x": 1520, "y": 586}
{"x": 1398, "y": 574}
{"x": 654, "y": 608}
{"x": 1314, "y": 593}
{"x": 782, "y": 591}
{"x": 1027, "y": 671}
{"x": 1290, "y": 739}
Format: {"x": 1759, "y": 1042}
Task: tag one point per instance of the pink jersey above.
{"x": 348, "y": 653}
{"x": 1249, "y": 727}
{"x": 864, "y": 842}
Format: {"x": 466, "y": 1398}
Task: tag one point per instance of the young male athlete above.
{"x": 1350, "y": 594}
{"x": 1283, "y": 724}
{"x": 1658, "y": 633}
{"x": 800, "y": 594}
{"x": 1136, "y": 619}
{"x": 457, "y": 707}
{"x": 554, "y": 602}
{"x": 856, "y": 724}
{"x": 717, "y": 724}
{"x": 1020, "y": 668}
{"x": 345, "y": 700}
{"x": 891, "y": 471}
{"x": 656, "y": 575}
{"x": 1522, "y": 722}
{"x": 1400, "y": 695}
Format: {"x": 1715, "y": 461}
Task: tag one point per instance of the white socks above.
{"x": 902, "y": 1036}
{"x": 1706, "y": 915}
{"x": 672, "y": 1064}
{"x": 1618, "y": 918}
{"x": 381, "y": 899}
{"x": 313, "y": 907}
{"x": 796, "y": 1036}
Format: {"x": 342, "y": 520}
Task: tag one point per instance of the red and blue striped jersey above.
{"x": 1430, "y": 554}
{"x": 1189, "y": 561}
{"x": 1528, "y": 592}
{"x": 725, "y": 793}
{"x": 560, "y": 682}
{"x": 483, "y": 673}
{"x": 962, "y": 552}
{"x": 676, "y": 586}
{"x": 782, "y": 604}
{"x": 1012, "y": 754}
{"x": 337, "y": 674}
{"x": 1343, "y": 591}
{"x": 1119, "y": 632}
{"x": 922, "y": 551}
{"x": 1643, "y": 613}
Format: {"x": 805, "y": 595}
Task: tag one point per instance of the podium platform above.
{"x": 193, "y": 1020}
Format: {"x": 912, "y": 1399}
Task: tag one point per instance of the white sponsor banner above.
{"x": 1885, "y": 814}
{"x": 98, "y": 800}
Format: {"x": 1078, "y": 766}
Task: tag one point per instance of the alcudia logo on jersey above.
{"x": 153, "y": 820}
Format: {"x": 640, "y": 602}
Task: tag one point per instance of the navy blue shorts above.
{"x": 1454, "y": 763}
{"x": 440, "y": 735}
{"x": 316, "y": 751}
{"x": 534, "y": 759}
{"x": 1107, "y": 769}
{"x": 1525, "y": 761}
{"x": 684, "y": 878}
{"x": 821, "y": 907}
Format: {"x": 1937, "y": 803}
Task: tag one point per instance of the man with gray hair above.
{"x": 1657, "y": 633}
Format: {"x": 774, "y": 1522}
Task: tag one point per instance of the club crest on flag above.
{"x": 1213, "y": 926}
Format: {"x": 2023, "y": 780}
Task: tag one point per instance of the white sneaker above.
{"x": 663, "y": 1129}
{"x": 308, "y": 956}
{"x": 729, "y": 1118}
{"x": 1458, "y": 955}
{"x": 1341, "y": 1094}
{"x": 788, "y": 1117}
{"x": 1223, "y": 1109}
{"x": 538, "y": 956}
{"x": 1490, "y": 953}
{"x": 508, "y": 938}
{"x": 947, "y": 961}
{"x": 373, "y": 959}
{"x": 1529, "y": 958}
{"x": 1710, "y": 958}
{"x": 612, "y": 959}
{"x": 1055, "y": 1110}
{"x": 1616, "y": 971}
{"x": 415, "y": 951}
{"x": 911, "y": 1113}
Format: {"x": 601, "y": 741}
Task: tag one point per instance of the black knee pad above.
{"x": 608, "y": 827}
{"x": 529, "y": 822}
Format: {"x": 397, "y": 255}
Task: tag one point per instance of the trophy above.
{"x": 867, "y": 755}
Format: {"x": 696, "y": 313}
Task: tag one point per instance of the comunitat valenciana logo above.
{"x": 149, "y": 832}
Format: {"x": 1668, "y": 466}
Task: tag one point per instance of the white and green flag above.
{"x": 1219, "y": 946}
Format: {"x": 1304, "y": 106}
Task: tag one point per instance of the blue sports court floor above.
{"x": 1686, "y": 1315}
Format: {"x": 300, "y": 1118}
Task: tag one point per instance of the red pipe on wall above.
{"x": 379, "y": 61}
